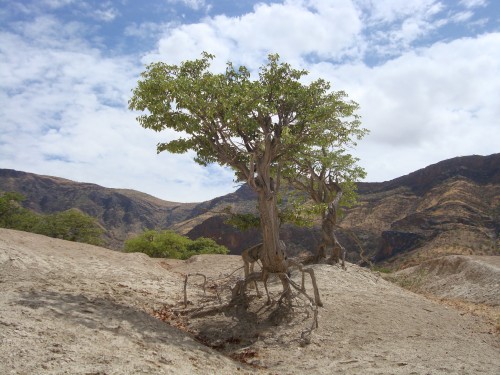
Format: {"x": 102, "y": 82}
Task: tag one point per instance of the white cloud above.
{"x": 462, "y": 16}
{"x": 193, "y": 4}
{"x": 55, "y": 4}
{"x": 145, "y": 30}
{"x": 426, "y": 106}
{"x": 391, "y": 27}
{"x": 68, "y": 114}
{"x": 473, "y": 3}
{"x": 293, "y": 29}
{"x": 389, "y": 11}
{"x": 107, "y": 14}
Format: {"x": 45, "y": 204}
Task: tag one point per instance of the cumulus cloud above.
{"x": 426, "y": 105}
{"x": 294, "y": 29}
{"x": 68, "y": 114}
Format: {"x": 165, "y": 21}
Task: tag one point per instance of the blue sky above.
{"x": 426, "y": 74}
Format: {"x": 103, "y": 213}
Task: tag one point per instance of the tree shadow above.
{"x": 104, "y": 315}
{"x": 236, "y": 327}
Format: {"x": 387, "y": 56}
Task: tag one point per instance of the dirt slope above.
{"x": 473, "y": 279}
{"x": 78, "y": 309}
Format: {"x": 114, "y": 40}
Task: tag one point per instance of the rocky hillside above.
{"x": 452, "y": 207}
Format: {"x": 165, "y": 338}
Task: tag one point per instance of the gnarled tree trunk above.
{"x": 274, "y": 257}
{"x": 328, "y": 224}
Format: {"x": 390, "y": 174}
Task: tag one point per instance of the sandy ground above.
{"x": 68, "y": 308}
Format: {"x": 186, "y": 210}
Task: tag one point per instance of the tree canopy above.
{"x": 71, "y": 225}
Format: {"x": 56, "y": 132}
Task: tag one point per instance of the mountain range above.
{"x": 451, "y": 207}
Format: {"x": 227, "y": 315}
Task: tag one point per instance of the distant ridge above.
{"x": 480, "y": 169}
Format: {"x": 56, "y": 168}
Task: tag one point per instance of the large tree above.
{"x": 253, "y": 126}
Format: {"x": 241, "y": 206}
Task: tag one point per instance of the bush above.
{"x": 71, "y": 225}
{"x": 14, "y": 216}
{"x": 168, "y": 244}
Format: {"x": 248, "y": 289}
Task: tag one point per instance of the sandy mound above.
{"x": 474, "y": 279}
{"x": 79, "y": 309}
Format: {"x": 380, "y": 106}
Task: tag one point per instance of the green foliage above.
{"x": 168, "y": 244}
{"x": 321, "y": 174}
{"x": 266, "y": 129}
{"x": 298, "y": 210}
{"x": 71, "y": 225}
{"x": 224, "y": 118}
{"x": 13, "y": 215}
{"x": 243, "y": 221}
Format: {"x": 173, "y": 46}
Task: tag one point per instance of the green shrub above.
{"x": 168, "y": 244}
{"x": 71, "y": 225}
{"x": 14, "y": 216}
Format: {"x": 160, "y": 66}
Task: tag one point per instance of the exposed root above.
{"x": 185, "y": 285}
{"x": 226, "y": 298}
{"x": 310, "y": 271}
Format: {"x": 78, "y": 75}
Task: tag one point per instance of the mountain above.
{"x": 451, "y": 207}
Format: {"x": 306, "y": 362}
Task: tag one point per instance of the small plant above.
{"x": 382, "y": 269}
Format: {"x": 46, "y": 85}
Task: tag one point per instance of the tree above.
{"x": 253, "y": 126}
{"x": 328, "y": 176}
{"x": 71, "y": 225}
{"x": 168, "y": 244}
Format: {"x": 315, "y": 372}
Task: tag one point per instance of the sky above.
{"x": 426, "y": 74}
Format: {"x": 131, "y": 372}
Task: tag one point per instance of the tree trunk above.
{"x": 329, "y": 221}
{"x": 273, "y": 257}
{"x": 327, "y": 240}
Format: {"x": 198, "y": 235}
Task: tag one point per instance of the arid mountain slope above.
{"x": 73, "y": 308}
{"x": 121, "y": 212}
{"x": 452, "y": 207}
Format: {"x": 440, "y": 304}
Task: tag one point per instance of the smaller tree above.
{"x": 168, "y": 244}
{"x": 329, "y": 178}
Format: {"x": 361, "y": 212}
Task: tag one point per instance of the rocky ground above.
{"x": 78, "y": 309}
